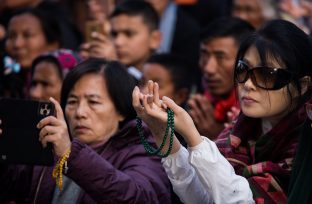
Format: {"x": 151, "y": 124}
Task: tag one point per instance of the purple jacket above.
{"x": 119, "y": 171}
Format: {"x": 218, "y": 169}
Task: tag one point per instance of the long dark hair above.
{"x": 287, "y": 44}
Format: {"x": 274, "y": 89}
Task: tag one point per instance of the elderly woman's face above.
{"x": 91, "y": 114}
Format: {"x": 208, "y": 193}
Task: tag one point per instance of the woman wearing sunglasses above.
{"x": 251, "y": 160}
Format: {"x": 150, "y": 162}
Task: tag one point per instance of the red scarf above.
{"x": 222, "y": 106}
{"x": 264, "y": 160}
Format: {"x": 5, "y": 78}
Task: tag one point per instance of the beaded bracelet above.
{"x": 151, "y": 150}
{"x": 58, "y": 169}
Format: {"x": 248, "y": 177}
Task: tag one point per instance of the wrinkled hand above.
{"x": 101, "y": 46}
{"x": 153, "y": 113}
{"x": 54, "y": 130}
{"x": 202, "y": 112}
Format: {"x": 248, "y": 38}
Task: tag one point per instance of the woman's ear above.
{"x": 305, "y": 84}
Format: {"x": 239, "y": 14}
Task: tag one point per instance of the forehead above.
{"x": 90, "y": 84}
{"x": 24, "y": 21}
{"x": 219, "y": 43}
{"x": 127, "y": 22}
{"x": 46, "y": 69}
{"x": 156, "y": 71}
{"x": 253, "y": 58}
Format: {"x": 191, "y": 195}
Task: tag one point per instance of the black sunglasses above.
{"x": 261, "y": 76}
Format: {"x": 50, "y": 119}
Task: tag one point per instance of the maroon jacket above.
{"x": 119, "y": 171}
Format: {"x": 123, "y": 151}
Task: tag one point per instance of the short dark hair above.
{"x": 49, "y": 24}
{"x": 46, "y": 58}
{"x": 287, "y": 44}
{"x": 178, "y": 68}
{"x": 227, "y": 27}
{"x": 119, "y": 83}
{"x": 138, "y": 8}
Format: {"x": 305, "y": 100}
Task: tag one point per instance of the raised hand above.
{"x": 153, "y": 113}
{"x": 101, "y": 46}
{"x": 55, "y": 131}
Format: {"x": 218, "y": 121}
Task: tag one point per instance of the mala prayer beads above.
{"x": 58, "y": 169}
{"x": 151, "y": 150}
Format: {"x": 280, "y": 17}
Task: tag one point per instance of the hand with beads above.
{"x": 153, "y": 113}
{"x": 54, "y": 130}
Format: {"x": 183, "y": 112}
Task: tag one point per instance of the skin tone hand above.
{"x": 55, "y": 131}
{"x": 153, "y": 113}
{"x": 202, "y": 113}
{"x": 100, "y": 47}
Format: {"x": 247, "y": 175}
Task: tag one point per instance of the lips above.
{"x": 248, "y": 100}
{"x": 210, "y": 82}
{"x": 80, "y": 129}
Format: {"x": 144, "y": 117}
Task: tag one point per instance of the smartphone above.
{"x": 19, "y": 141}
{"x": 93, "y": 26}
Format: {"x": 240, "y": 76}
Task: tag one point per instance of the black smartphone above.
{"x": 19, "y": 141}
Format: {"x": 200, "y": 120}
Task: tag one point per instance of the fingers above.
{"x": 156, "y": 94}
{"x": 59, "y": 111}
{"x": 136, "y": 100}
{"x": 150, "y": 87}
{"x": 47, "y": 130}
{"x": 171, "y": 104}
{"x": 99, "y": 37}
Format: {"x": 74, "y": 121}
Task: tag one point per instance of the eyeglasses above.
{"x": 308, "y": 108}
{"x": 261, "y": 76}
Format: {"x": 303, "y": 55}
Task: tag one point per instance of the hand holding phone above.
{"x": 94, "y": 26}
{"x": 19, "y": 139}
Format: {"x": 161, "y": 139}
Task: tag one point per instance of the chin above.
{"x": 252, "y": 113}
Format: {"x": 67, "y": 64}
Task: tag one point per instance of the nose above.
{"x": 36, "y": 92}
{"x": 249, "y": 85}
{"x": 119, "y": 40}
{"x": 210, "y": 66}
{"x": 81, "y": 110}
{"x": 18, "y": 41}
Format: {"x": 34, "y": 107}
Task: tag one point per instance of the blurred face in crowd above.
{"x": 90, "y": 112}
{"x": 46, "y": 82}
{"x": 260, "y": 103}
{"x": 162, "y": 76}
{"x": 26, "y": 39}
{"x": 217, "y": 59}
{"x": 249, "y": 10}
{"x": 133, "y": 39}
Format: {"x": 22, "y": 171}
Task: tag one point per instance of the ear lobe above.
{"x": 121, "y": 118}
{"x": 156, "y": 39}
{"x": 305, "y": 84}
